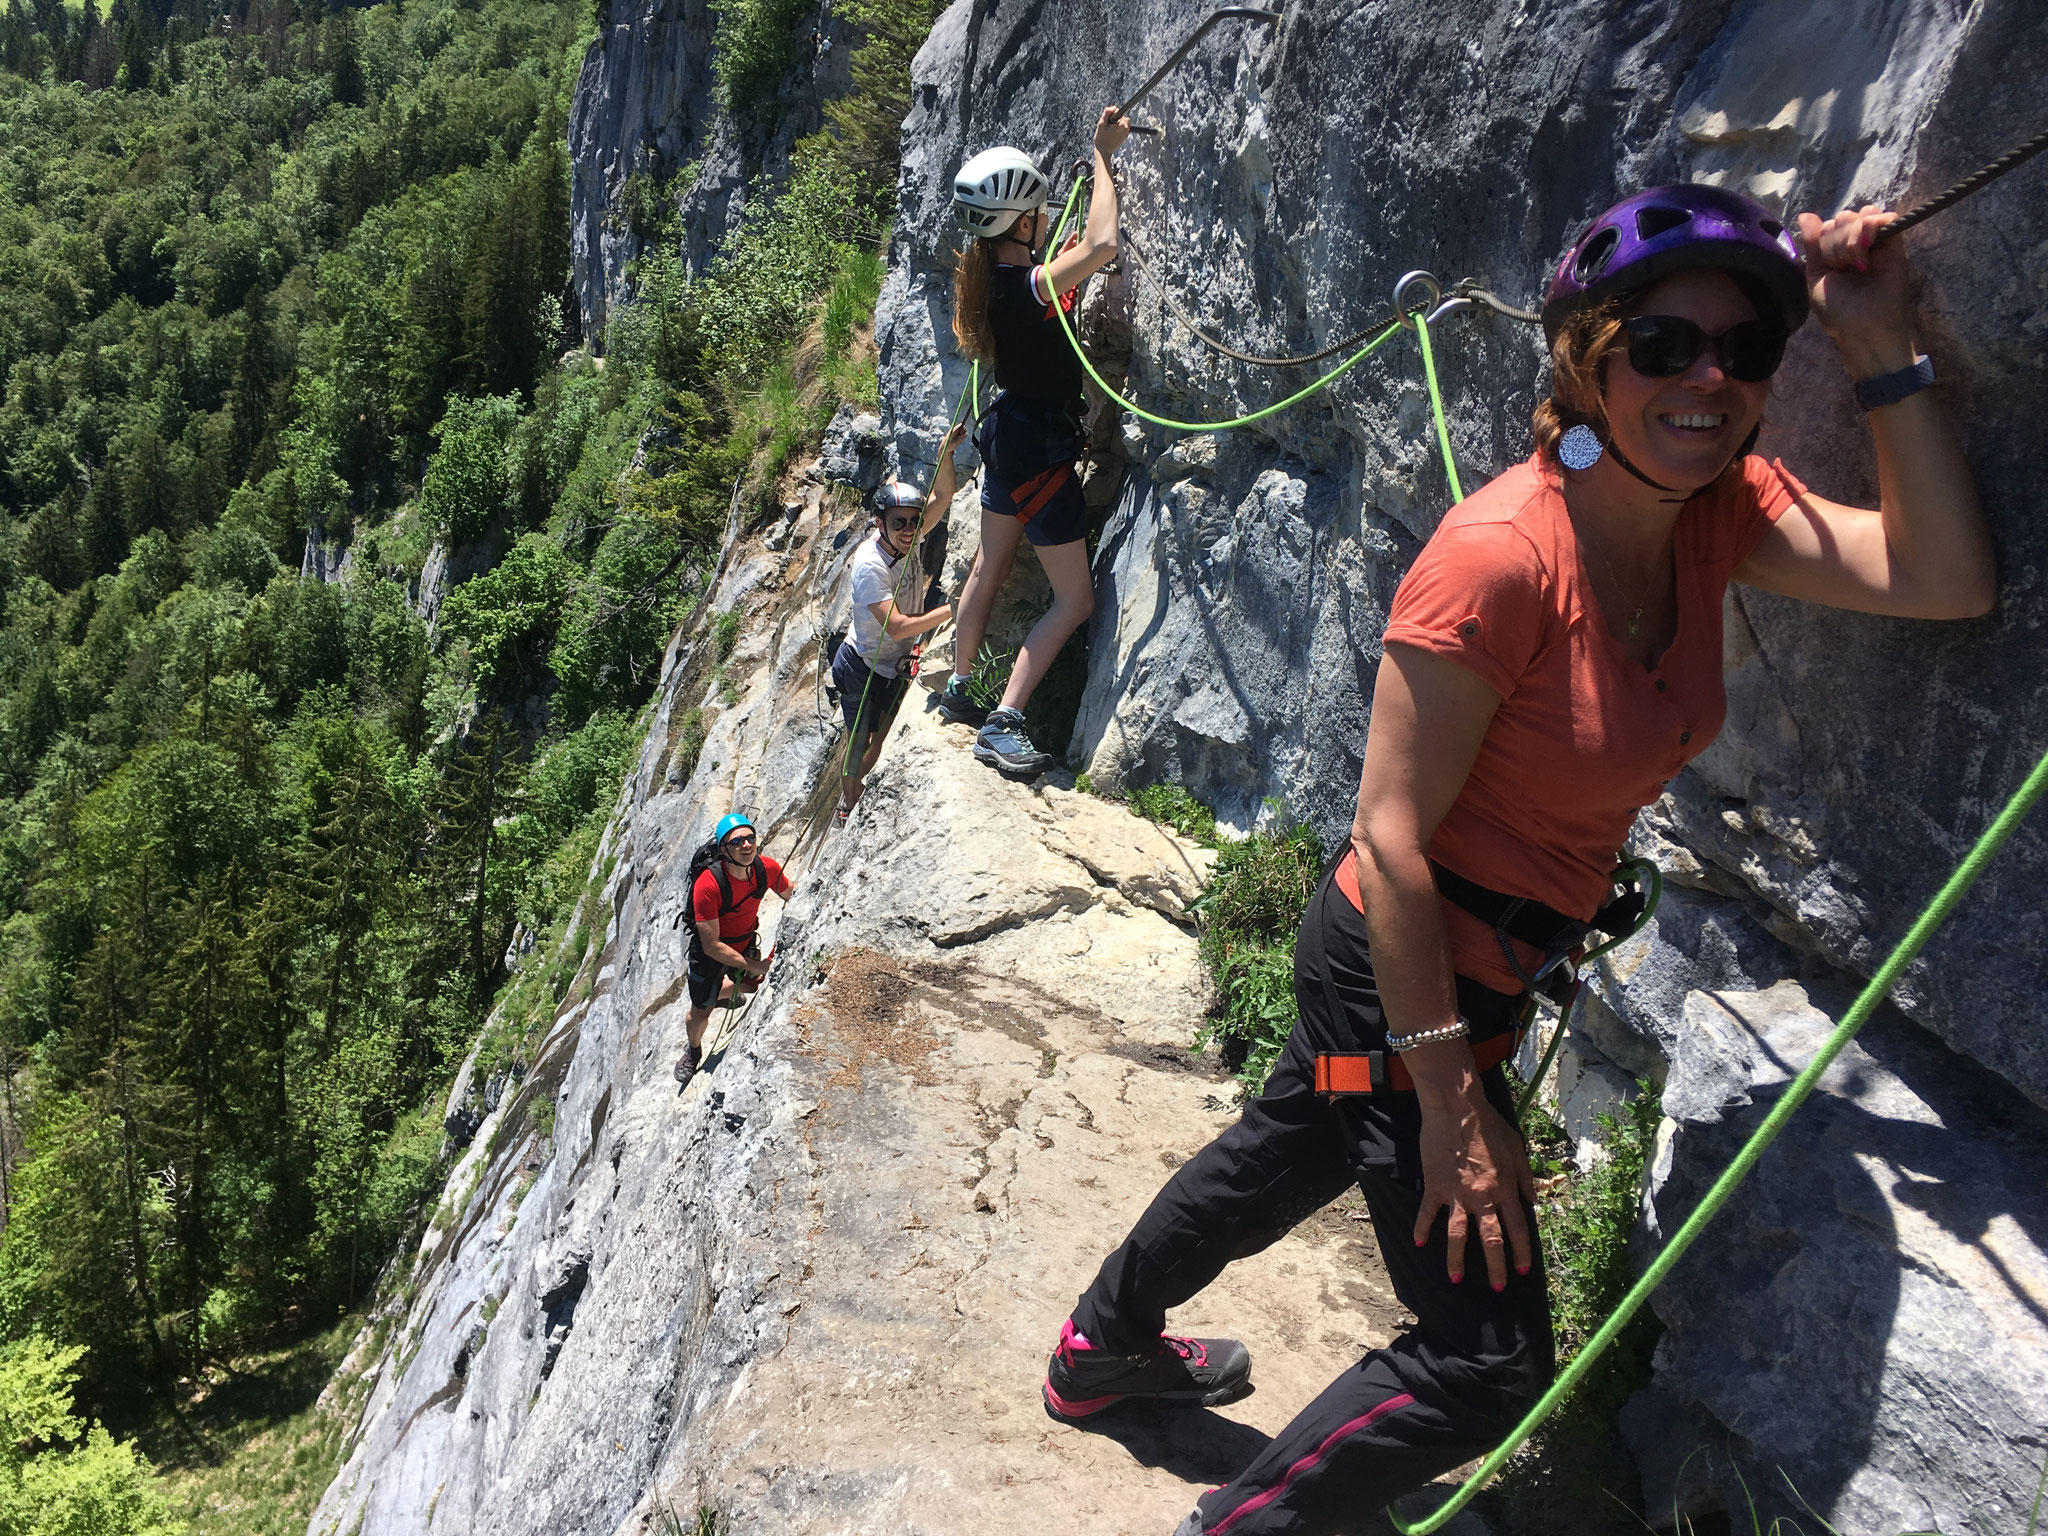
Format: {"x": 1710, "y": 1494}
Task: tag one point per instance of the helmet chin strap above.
{"x": 1676, "y": 494}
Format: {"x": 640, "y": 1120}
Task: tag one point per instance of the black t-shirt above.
{"x": 1033, "y": 358}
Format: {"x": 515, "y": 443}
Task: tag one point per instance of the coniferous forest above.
{"x": 335, "y": 567}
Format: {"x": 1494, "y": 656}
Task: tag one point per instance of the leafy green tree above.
{"x": 508, "y": 616}
{"x": 81, "y": 1482}
{"x": 464, "y": 490}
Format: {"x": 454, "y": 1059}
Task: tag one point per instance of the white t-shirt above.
{"x": 877, "y": 578}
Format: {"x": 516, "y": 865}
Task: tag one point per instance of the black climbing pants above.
{"x": 1449, "y": 1388}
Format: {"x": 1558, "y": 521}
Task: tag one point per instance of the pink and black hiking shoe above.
{"x": 1082, "y": 1379}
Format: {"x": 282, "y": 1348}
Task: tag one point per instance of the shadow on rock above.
{"x": 1195, "y": 1444}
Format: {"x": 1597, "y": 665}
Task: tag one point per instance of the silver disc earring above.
{"x": 1580, "y": 448}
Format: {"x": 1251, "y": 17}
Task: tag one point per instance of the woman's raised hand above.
{"x": 1859, "y": 287}
{"x": 1110, "y": 132}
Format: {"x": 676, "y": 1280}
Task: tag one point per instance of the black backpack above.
{"x": 708, "y": 857}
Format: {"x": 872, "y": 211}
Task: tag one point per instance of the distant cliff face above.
{"x": 645, "y": 110}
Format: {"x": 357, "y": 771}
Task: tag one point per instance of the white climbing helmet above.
{"x": 995, "y": 187}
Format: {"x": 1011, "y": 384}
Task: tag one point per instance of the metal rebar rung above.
{"x": 1228, "y": 13}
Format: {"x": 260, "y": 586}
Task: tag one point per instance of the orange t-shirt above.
{"x": 1584, "y": 737}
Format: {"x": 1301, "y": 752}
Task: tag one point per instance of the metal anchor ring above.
{"x": 1404, "y": 308}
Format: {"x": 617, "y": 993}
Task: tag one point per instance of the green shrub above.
{"x": 1257, "y": 985}
{"x": 1586, "y": 1230}
{"x": 753, "y": 49}
{"x": 1172, "y": 806}
{"x": 725, "y": 633}
{"x": 989, "y": 676}
{"x": 1259, "y": 889}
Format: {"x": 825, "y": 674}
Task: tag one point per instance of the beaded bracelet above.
{"x": 1456, "y": 1030}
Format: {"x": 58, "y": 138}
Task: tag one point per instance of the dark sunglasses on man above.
{"x": 1664, "y": 346}
{"x": 900, "y": 524}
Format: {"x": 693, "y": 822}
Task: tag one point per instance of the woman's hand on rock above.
{"x": 1475, "y": 1166}
{"x": 1859, "y": 288}
{"x": 1110, "y": 132}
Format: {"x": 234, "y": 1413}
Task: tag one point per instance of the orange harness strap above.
{"x": 1034, "y": 493}
{"x": 1348, "y": 1073}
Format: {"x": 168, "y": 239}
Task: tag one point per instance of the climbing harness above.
{"x": 1936, "y": 913}
{"x": 1227, "y": 13}
{"x": 1649, "y": 881}
{"x": 735, "y": 1010}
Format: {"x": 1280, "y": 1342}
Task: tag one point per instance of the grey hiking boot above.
{"x": 1004, "y": 745}
{"x": 956, "y": 708}
{"x": 1192, "y": 1526}
{"x": 1081, "y": 1380}
{"x": 688, "y": 1063}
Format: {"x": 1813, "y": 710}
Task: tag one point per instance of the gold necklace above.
{"x": 1635, "y": 618}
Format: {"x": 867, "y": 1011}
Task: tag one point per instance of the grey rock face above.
{"x": 646, "y": 108}
{"x": 853, "y": 453}
{"x": 1864, "y": 1322}
{"x": 1242, "y": 589}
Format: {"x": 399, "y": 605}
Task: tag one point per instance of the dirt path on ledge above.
{"x": 980, "y": 1141}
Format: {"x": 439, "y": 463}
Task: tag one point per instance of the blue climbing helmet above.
{"x": 727, "y": 825}
{"x": 1682, "y": 228}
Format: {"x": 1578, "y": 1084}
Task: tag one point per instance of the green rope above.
{"x": 1198, "y": 426}
{"x": 971, "y": 391}
{"x": 1436, "y": 401}
{"x": 1923, "y": 928}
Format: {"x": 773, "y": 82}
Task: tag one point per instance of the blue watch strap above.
{"x": 1891, "y": 388}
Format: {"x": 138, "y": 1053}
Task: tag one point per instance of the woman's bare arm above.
{"x": 1925, "y": 553}
{"x": 1096, "y": 246}
{"x": 1429, "y": 717}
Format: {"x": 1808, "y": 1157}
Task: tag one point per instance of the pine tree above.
{"x": 138, "y": 52}
{"x": 205, "y": 1045}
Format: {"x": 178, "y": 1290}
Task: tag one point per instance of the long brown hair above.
{"x": 972, "y": 275}
{"x": 1578, "y": 361}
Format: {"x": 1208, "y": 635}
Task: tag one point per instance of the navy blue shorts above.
{"x": 863, "y": 692}
{"x": 707, "y": 976}
{"x": 1030, "y": 470}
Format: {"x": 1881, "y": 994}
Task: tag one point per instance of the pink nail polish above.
{"x": 1521, "y": 1269}
{"x": 1500, "y": 1285}
{"x": 1457, "y": 1279}
{"x": 1420, "y": 1241}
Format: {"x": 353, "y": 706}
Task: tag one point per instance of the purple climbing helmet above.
{"x": 1681, "y": 228}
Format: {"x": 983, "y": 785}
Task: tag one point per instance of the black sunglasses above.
{"x": 741, "y": 840}
{"x": 898, "y": 524}
{"x": 1664, "y": 346}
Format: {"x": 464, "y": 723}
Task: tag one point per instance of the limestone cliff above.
{"x": 812, "y": 1291}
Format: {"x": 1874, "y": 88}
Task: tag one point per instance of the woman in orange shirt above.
{"x": 1552, "y": 659}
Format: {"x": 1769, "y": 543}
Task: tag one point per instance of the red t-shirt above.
{"x": 739, "y": 923}
{"x": 1584, "y": 737}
